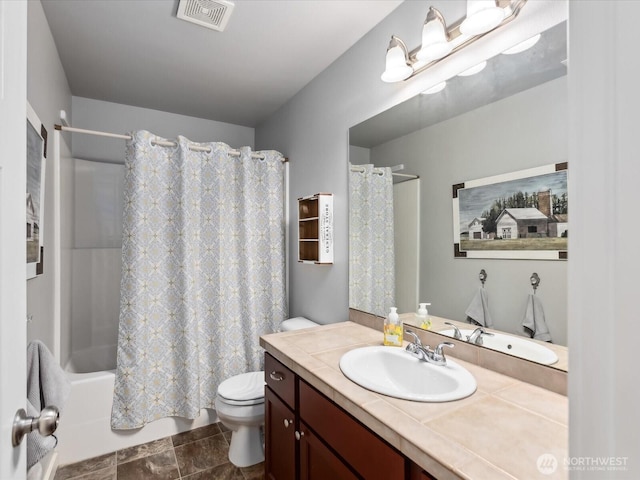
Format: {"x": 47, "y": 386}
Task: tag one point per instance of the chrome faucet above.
{"x": 424, "y": 352}
{"x": 456, "y": 331}
{"x": 476, "y": 336}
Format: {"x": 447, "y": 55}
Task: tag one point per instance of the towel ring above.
{"x": 483, "y": 276}
{"x": 535, "y": 281}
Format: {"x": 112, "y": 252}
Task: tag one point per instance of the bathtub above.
{"x": 85, "y": 431}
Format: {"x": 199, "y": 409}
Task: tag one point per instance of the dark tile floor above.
{"x": 200, "y": 454}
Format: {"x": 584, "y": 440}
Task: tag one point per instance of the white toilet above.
{"x": 240, "y": 407}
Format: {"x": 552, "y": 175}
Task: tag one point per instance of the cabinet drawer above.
{"x": 370, "y": 456}
{"x": 280, "y": 379}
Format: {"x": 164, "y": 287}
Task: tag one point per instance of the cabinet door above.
{"x": 362, "y": 449}
{"x": 280, "y": 442}
{"x": 317, "y": 462}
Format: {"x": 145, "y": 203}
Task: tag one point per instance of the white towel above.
{"x": 478, "y": 310}
{"x": 533, "y": 322}
{"x": 47, "y": 385}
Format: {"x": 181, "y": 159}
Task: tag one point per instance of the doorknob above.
{"x": 46, "y": 423}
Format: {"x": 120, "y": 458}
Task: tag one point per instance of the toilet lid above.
{"x": 243, "y": 387}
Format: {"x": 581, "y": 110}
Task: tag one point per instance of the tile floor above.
{"x": 194, "y": 455}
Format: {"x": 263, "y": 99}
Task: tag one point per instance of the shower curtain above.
{"x": 371, "y": 253}
{"x": 203, "y": 274}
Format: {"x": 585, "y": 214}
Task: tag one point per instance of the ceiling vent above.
{"x": 213, "y": 14}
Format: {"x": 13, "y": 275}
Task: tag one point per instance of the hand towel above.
{"x": 47, "y": 384}
{"x": 478, "y": 310}
{"x": 534, "y": 322}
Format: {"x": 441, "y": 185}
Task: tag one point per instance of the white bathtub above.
{"x": 85, "y": 429}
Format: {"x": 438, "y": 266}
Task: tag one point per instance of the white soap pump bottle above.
{"x": 422, "y": 316}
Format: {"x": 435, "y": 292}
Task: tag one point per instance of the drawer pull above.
{"x": 287, "y": 423}
{"x": 299, "y": 435}
{"x": 277, "y": 376}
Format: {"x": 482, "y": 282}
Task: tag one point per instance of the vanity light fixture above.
{"x": 482, "y": 16}
{"x": 435, "y": 40}
{"x": 473, "y": 70}
{"x": 440, "y": 41}
{"x": 397, "y": 66}
{"x": 522, "y": 46}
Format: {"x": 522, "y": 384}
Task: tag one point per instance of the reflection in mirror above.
{"x": 510, "y": 116}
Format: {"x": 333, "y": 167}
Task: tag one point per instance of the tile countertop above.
{"x": 499, "y": 432}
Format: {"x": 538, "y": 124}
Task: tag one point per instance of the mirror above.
{"x": 511, "y": 116}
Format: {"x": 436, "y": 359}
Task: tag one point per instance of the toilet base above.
{"x": 246, "y": 446}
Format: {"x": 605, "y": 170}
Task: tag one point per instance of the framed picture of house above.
{"x": 36, "y": 157}
{"x": 519, "y": 215}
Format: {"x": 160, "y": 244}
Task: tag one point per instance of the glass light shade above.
{"x": 435, "y": 89}
{"x": 482, "y": 16}
{"x": 473, "y": 70}
{"x": 435, "y": 42}
{"x": 522, "y": 46}
{"x": 396, "y": 68}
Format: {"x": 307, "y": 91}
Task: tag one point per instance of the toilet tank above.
{"x": 297, "y": 323}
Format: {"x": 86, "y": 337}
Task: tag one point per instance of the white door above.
{"x": 13, "y": 283}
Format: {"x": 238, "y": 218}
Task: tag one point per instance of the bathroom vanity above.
{"x": 319, "y": 424}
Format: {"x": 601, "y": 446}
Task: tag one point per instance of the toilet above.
{"x": 240, "y": 407}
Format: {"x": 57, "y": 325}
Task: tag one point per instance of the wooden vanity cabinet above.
{"x": 308, "y": 437}
{"x": 280, "y": 421}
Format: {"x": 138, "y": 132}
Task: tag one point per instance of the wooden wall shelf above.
{"x": 315, "y": 229}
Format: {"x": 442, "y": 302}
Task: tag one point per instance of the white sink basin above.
{"x": 394, "y": 372}
{"x": 519, "y": 347}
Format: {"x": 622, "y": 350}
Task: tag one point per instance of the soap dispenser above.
{"x": 422, "y": 316}
{"x": 393, "y": 329}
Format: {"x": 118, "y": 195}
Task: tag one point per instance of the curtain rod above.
{"x": 361, "y": 170}
{"x": 195, "y": 148}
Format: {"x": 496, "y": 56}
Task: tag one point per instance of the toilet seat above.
{"x": 243, "y": 390}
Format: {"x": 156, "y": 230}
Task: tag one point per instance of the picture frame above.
{"x": 36, "y": 169}
{"x": 517, "y": 215}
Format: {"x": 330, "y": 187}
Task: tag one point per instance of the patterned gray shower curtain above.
{"x": 203, "y": 274}
{"x": 371, "y": 239}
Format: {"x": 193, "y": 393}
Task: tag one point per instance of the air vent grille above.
{"x": 212, "y": 14}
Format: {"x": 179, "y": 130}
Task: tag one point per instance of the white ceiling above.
{"x": 137, "y": 52}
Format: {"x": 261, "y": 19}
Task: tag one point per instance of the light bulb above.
{"x": 473, "y": 70}
{"x": 435, "y": 89}
{"x": 522, "y": 46}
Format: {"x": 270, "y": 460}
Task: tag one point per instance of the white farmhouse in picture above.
{"x": 475, "y": 229}
{"x": 31, "y": 218}
{"x": 521, "y": 223}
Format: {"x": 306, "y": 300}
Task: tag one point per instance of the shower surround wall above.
{"x": 95, "y": 265}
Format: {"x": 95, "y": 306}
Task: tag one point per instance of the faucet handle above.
{"x": 437, "y": 355}
{"x": 438, "y": 349}
{"x": 416, "y": 339}
{"x": 476, "y": 336}
{"x": 456, "y": 331}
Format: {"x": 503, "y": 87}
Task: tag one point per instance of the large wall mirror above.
{"x": 510, "y": 116}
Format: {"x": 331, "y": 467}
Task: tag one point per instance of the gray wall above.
{"x": 117, "y": 118}
{"x": 312, "y": 131}
{"x": 526, "y": 130}
{"x": 48, "y": 92}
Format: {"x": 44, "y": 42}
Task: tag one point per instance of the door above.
{"x": 317, "y": 462}
{"x": 13, "y": 284}
{"x": 280, "y": 444}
